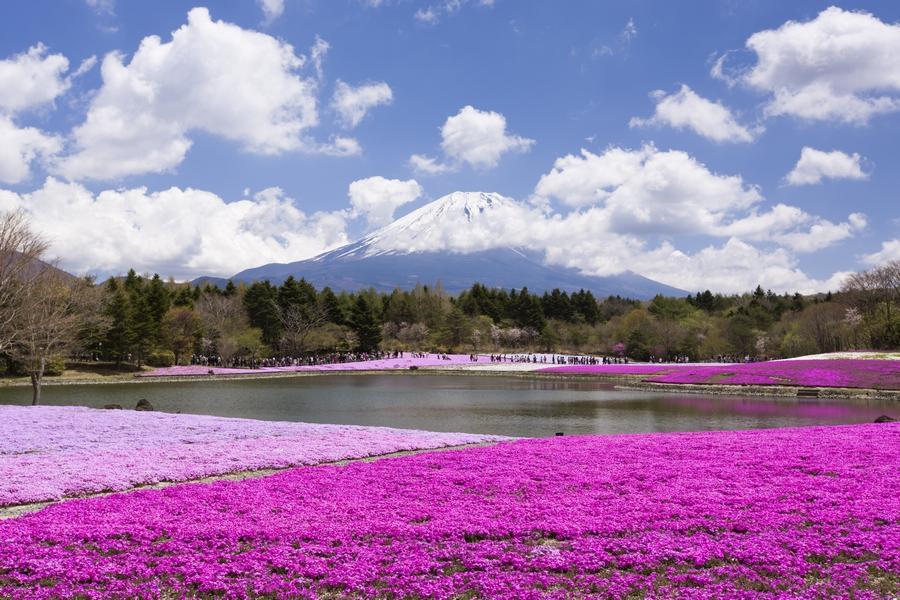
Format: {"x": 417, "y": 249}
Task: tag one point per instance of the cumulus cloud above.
{"x": 479, "y": 138}
{"x": 474, "y": 137}
{"x": 20, "y": 146}
{"x": 377, "y": 198}
{"x": 647, "y": 192}
{"x": 733, "y": 267}
{"x": 352, "y": 103}
{"x": 841, "y": 66}
{"x": 583, "y": 239}
{"x": 685, "y": 109}
{"x": 338, "y": 146}
{"x": 427, "y": 165}
{"x": 816, "y": 165}
{"x": 140, "y": 119}
{"x": 177, "y": 232}
{"x": 32, "y": 79}
{"x": 28, "y": 81}
{"x": 890, "y": 250}
{"x": 272, "y": 9}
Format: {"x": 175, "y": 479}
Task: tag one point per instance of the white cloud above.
{"x": 584, "y": 240}
{"x": 317, "y": 53}
{"x": 102, "y": 7}
{"x": 427, "y": 165}
{"x": 177, "y": 232}
{"x": 479, "y": 138}
{"x": 272, "y": 9}
{"x": 19, "y": 147}
{"x": 649, "y": 191}
{"x": 352, "y": 103}
{"x": 340, "y": 146}
{"x": 629, "y": 32}
{"x": 842, "y": 66}
{"x": 474, "y": 137}
{"x": 624, "y": 196}
{"x": 213, "y": 77}
{"x": 430, "y": 15}
{"x": 377, "y": 198}
{"x": 28, "y": 81}
{"x": 816, "y": 165}
{"x": 32, "y": 79}
{"x": 734, "y": 267}
{"x": 687, "y": 110}
{"x": 890, "y": 250}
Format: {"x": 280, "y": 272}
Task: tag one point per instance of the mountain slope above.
{"x": 405, "y": 253}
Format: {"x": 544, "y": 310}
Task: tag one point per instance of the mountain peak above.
{"x": 429, "y": 227}
{"x": 452, "y": 240}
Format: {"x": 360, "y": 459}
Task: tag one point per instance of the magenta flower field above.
{"x": 384, "y": 364}
{"x": 47, "y": 453}
{"x": 871, "y": 374}
{"x": 793, "y": 513}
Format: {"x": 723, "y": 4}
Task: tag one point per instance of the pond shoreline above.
{"x": 616, "y": 381}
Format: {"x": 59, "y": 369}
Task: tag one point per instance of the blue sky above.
{"x": 697, "y": 197}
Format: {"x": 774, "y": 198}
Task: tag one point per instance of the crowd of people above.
{"x": 678, "y": 358}
{"x": 557, "y": 359}
{"x": 326, "y": 358}
{"x": 315, "y": 359}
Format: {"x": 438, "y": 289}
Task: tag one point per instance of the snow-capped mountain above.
{"x": 452, "y": 241}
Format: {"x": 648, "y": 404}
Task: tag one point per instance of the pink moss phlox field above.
{"x": 49, "y": 452}
{"x": 384, "y": 364}
{"x": 873, "y": 374}
{"x": 807, "y": 512}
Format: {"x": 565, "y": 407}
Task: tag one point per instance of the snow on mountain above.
{"x": 459, "y": 222}
{"x": 452, "y": 240}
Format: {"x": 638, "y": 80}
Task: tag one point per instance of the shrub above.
{"x": 161, "y": 358}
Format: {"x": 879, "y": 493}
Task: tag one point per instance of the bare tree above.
{"x": 20, "y": 253}
{"x": 297, "y": 322}
{"x": 50, "y": 318}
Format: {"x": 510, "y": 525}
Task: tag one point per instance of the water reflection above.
{"x": 478, "y": 404}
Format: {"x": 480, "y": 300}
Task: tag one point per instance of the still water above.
{"x": 513, "y": 406}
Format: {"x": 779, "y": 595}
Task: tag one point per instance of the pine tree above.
{"x": 118, "y": 337}
{"x": 332, "y": 307}
{"x": 365, "y": 325}
{"x": 261, "y": 304}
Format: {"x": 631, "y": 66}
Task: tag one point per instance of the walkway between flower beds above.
{"x": 807, "y": 512}
{"x": 868, "y": 374}
{"x": 48, "y": 453}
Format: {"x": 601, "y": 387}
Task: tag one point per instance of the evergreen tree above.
{"x": 457, "y": 328}
{"x": 365, "y": 325}
{"x": 332, "y": 307}
{"x": 261, "y": 304}
{"x": 118, "y": 337}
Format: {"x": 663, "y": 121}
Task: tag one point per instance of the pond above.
{"x": 515, "y": 406}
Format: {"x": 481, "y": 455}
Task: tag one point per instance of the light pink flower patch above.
{"x": 49, "y": 452}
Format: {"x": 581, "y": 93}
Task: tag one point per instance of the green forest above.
{"x": 146, "y": 320}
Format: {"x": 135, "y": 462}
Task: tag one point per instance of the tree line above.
{"x": 48, "y": 316}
